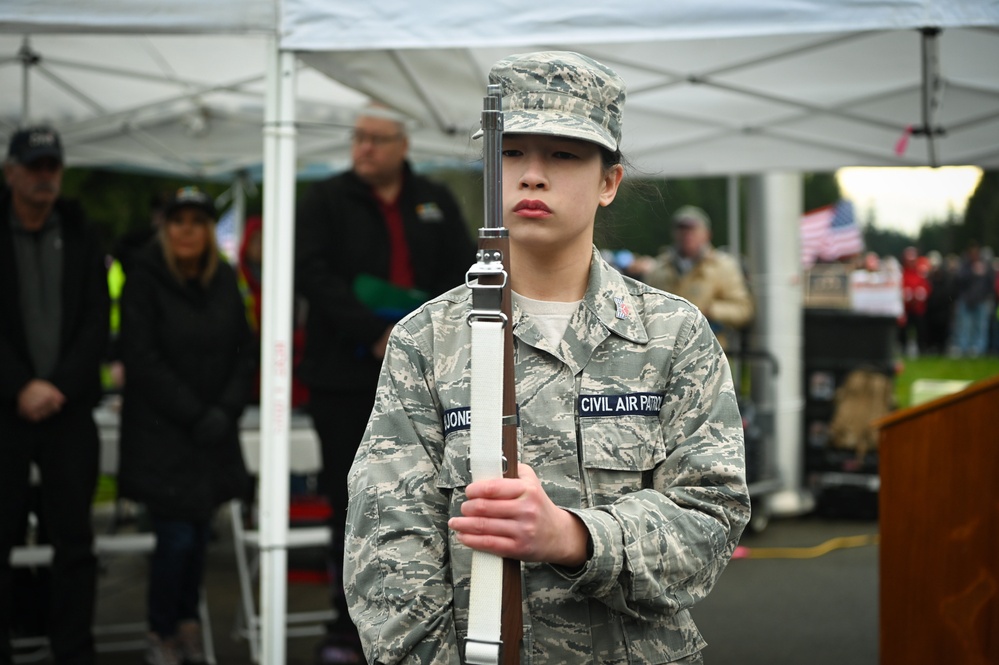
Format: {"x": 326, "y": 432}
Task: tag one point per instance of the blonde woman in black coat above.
{"x": 189, "y": 361}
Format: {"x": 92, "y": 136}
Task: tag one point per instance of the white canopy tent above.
{"x": 805, "y": 86}
{"x": 715, "y": 88}
{"x": 769, "y": 88}
{"x": 191, "y": 105}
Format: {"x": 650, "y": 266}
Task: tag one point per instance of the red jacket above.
{"x": 915, "y": 290}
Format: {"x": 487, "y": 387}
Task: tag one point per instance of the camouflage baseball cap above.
{"x": 560, "y": 93}
{"x": 691, "y": 216}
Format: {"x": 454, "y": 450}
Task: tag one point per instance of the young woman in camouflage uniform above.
{"x": 632, "y": 493}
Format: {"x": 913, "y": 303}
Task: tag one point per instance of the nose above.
{"x": 533, "y": 176}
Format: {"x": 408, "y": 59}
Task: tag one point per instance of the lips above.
{"x": 532, "y": 208}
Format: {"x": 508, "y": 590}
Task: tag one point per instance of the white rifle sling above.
{"x": 485, "y": 461}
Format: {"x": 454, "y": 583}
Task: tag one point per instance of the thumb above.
{"x": 525, "y": 472}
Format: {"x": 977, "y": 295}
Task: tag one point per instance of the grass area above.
{"x": 941, "y": 368}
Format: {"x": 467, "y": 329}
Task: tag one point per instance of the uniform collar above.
{"x": 611, "y": 301}
{"x": 608, "y": 308}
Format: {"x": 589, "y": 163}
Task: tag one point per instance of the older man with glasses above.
{"x": 372, "y": 244}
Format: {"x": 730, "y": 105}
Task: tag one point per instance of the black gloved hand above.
{"x": 210, "y": 427}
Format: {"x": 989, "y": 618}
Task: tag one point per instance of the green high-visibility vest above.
{"x": 116, "y": 282}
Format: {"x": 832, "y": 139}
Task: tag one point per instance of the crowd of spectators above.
{"x": 950, "y": 303}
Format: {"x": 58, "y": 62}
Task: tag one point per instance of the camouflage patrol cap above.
{"x": 560, "y": 93}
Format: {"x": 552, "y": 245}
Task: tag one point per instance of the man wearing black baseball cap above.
{"x": 53, "y": 333}
{"x": 27, "y": 146}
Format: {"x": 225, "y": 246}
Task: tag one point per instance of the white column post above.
{"x": 775, "y": 206}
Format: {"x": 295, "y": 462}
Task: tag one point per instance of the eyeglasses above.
{"x": 44, "y": 164}
{"x": 377, "y": 140}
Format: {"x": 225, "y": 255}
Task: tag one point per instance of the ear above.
{"x": 611, "y": 181}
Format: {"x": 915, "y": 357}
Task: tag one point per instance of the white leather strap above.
{"x": 485, "y": 459}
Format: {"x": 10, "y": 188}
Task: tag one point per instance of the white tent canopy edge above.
{"x": 133, "y": 17}
{"x": 314, "y": 25}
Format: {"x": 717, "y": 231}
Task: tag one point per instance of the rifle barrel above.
{"x": 492, "y": 155}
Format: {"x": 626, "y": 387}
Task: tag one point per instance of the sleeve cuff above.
{"x": 599, "y": 575}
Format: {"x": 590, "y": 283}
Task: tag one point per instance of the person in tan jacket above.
{"x": 711, "y": 279}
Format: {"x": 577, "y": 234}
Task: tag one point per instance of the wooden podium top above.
{"x": 971, "y": 391}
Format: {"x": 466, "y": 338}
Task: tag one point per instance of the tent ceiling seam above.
{"x": 71, "y": 90}
{"x": 444, "y": 124}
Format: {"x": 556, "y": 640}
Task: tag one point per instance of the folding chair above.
{"x": 305, "y": 458}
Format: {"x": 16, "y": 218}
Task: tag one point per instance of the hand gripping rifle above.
{"x": 495, "y": 624}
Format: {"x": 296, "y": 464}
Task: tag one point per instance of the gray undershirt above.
{"x": 39, "y": 270}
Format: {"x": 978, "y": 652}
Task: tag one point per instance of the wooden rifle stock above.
{"x": 494, "y": 238}
{"x": 511, "y": 627}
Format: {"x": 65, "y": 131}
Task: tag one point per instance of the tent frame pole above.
{"x": 276, "y": 354}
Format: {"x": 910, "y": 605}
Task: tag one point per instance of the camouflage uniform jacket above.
{"x": 631, "y": 424}
{"x": 715, "y": 285}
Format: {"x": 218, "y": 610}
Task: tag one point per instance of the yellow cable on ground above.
{"x": 842, "y": 542}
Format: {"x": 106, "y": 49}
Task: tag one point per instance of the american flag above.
{"x": 227, "y": 235}
{"x": 829, "y": 233}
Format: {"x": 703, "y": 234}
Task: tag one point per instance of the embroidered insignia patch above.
{"x": 429, "y": 212}
{"x": 623, "y": 311}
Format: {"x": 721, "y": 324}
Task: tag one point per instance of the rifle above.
{"x": 497, "y": 418}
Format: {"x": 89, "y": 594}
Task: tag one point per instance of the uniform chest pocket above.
{"x": 619, "y": 454}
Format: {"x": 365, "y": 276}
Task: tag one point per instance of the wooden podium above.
{"x": 939, "y": 522}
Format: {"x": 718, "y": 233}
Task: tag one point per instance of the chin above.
{"x": 537, "y": 239}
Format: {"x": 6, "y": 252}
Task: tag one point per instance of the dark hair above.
{"x": 609, "y": 158}
{"x": 638, "y": 190}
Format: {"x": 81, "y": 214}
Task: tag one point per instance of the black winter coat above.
{"x": 186, "y": 348}
{"x": 84, "y": 335}
{"x": 340, "y": 235}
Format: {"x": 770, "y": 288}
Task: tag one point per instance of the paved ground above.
{"x": 796, "y": 611}
{"x": 773, "y": 611}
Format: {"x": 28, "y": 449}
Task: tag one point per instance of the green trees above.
{"x": 119, "y": 202}
{"x": 638, "y": 220}
{"x": 981, "y": 219}
{"x": 979, "y": 225}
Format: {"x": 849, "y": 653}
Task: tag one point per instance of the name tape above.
{"x": 589, "y": 406}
